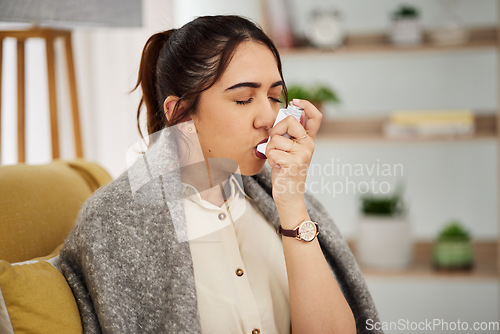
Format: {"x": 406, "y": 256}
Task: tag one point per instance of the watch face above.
{"x": 307, "y": 231}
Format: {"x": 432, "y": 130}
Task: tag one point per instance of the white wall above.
{"x": 186, "y": 10}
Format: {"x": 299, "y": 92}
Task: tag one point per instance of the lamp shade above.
{"x": 71, "y": 13}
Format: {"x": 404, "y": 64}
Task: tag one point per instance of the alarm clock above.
{"x": 325, "y": 29}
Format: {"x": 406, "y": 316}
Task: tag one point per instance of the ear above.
{"x": 169, "y": 105}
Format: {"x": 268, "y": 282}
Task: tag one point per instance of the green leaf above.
{"x": 315, "y": 93}
{"x": 388, "y": 205}
{"x": 406, "y": 11}
{"x": 454, "y": 231}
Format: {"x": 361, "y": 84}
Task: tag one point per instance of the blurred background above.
{"x": 407, "y": 158}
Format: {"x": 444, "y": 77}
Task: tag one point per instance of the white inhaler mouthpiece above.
{"x": 291, "y": 110}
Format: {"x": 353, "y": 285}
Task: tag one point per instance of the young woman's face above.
{"x": 236, "y": 113}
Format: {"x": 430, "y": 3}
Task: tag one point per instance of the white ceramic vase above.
{"x": 406, "y": 32}
{"x": 384, "y": 242}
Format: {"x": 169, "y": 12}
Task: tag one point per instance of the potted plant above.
{"x": 453, "y": 248}
{"x": 383, "y": 233}
{"x": 405, "y": 29}
{"x": 316, "y": 94}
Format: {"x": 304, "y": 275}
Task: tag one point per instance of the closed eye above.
{"x": 245, "y": 102}
{"x": 275, "y": 99}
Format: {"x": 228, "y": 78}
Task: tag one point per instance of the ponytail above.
{"x": 146, "y": 78}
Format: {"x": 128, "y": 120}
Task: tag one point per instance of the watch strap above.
{"x": 294, "y": 233}
{"x": 288, "y": 233}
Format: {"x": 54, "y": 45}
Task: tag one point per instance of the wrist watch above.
{"x": 305, "y": 231}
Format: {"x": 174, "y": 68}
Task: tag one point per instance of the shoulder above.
{"x": 107, "y": 204}
{"x": 102, "y": 209}
{"x": 125, "y": 195}
{"x": 117, "y": 205}
{"x": 117, "y": 193}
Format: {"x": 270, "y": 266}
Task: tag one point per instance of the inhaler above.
{"x": 291, "y": 110}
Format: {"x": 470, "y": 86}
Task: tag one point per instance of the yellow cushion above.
{"x": 37, "y": 299}
{"x": 39, "y": 204}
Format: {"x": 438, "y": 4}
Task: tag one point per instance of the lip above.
{"x": 257, "y": 153}
{"x": 263, "y": 141}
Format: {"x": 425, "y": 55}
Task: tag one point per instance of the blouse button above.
{"x": 239, "y": 272}
{"x": 255, "y": 331}
{"x": 222, "y": 216}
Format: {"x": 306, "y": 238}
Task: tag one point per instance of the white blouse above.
{"x": 239, "y": 266}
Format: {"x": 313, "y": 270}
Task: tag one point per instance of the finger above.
{"x": 290, "y": 126}
{"x": 285, "y": 152}
{"x": 313, "y": 116}
{"x": 277, "y": 149}
{"x": 278, "y": 157}
{"x": 281, "y": 143}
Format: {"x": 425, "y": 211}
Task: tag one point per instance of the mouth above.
{"x": 262, "y": 141}
{"x": 258, "y": 154}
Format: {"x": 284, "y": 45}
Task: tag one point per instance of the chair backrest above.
{"x": 39, "y": 204}
{"x": 50, "y": 37}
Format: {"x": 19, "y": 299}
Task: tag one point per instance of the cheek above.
{"x": 218, "y": 138}
{"x": 232, "y": 130}
{"x": 230, "y": 141}
{"x": 225, "y": 132}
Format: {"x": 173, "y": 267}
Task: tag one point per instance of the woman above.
{"x": 147, "y": 253}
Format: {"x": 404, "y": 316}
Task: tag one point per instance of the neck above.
{"x": 208, "y": 181}
{"x": 214, "y": 195}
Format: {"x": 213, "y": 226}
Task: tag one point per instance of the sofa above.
{"x": 38, "y": 208}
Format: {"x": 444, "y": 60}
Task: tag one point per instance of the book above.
{"x": 430, "y": 123}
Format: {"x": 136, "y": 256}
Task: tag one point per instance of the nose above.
{"x": 265, "y": 115}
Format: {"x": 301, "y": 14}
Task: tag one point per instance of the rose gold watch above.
{"x": 305, "y": 231}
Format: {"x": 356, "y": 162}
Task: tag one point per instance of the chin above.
{"x": 252, "y": 168}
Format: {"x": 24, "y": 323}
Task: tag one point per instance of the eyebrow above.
{"x": 253, "y": 85}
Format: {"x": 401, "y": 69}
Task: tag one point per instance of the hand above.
{"x": 290, "y": 158}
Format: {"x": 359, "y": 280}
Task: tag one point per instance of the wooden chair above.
{"x": 49, "y": 36}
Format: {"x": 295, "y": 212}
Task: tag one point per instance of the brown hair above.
{"x": 187, "y": 61}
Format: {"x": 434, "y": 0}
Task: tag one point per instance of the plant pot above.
{"x": 384, "y": 242}
{"x": 453, "y": 255}
{"x": 406, "y": 32}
